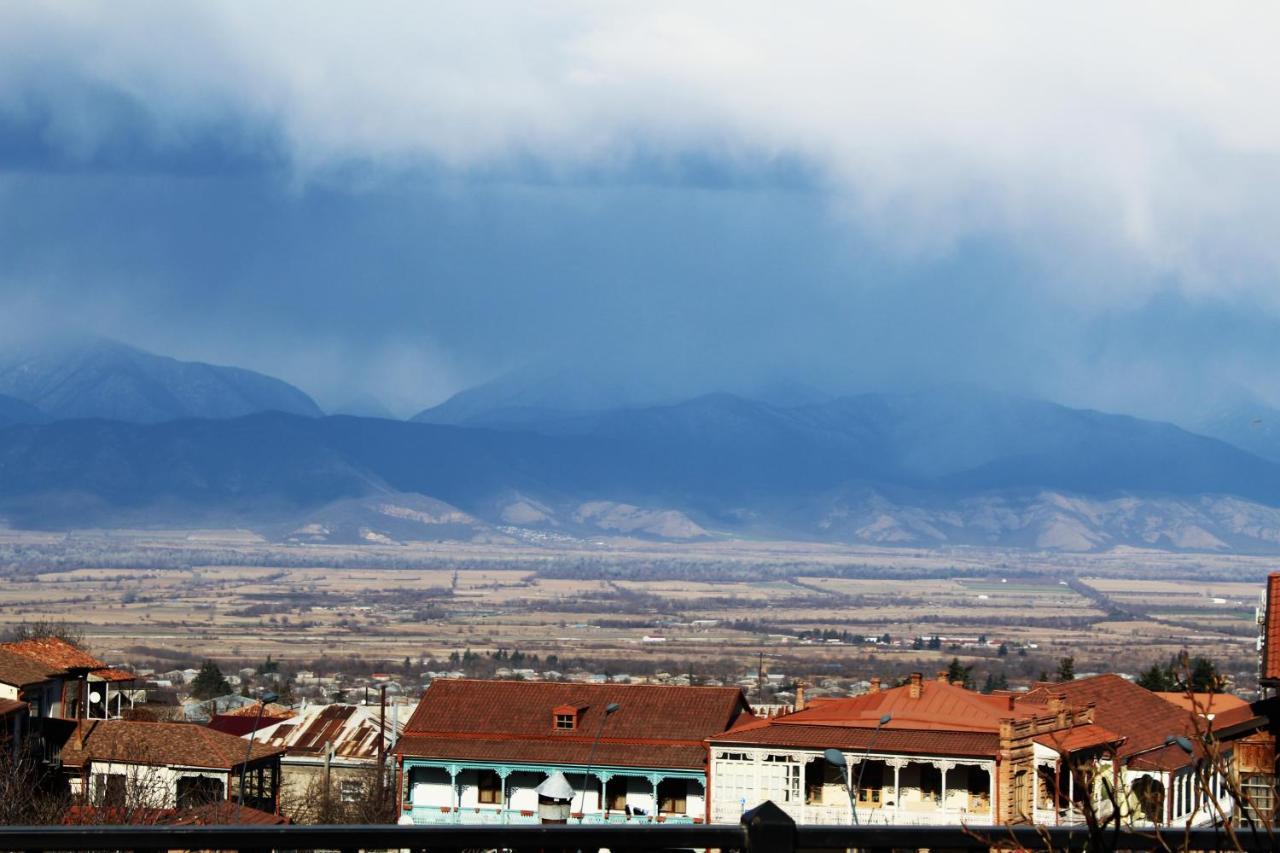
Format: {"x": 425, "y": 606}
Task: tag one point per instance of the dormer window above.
{"x": 566, "y": 718}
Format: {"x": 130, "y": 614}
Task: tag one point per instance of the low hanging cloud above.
{"x": 1118, "y": 154}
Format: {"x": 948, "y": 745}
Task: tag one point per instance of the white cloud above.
{"x": 1137, "y": 135}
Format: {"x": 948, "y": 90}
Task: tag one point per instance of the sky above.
{"x": 400, "y": 200}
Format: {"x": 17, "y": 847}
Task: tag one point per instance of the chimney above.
{"x": 1056, "y": 702}
{"x": 1011, "y": 701}
{"x": 942, "y": 677}
{"x": 916, "y": 687}
{"x": 875, "y": 684}
{"x": 799, "y": 695}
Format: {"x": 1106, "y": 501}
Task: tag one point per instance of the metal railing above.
{"x": 766, "y": 828}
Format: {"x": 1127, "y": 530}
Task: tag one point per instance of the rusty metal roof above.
{"x": 352, "y": 730}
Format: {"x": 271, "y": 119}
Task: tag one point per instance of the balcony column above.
{"x": 603, "y": 776}
{"x": 654, "y": 779}
{"x": 944, "y": 767}
{"x": 454, "y": 770}
{"x": 897, "y": 764}
{"x": 503, "y": 773}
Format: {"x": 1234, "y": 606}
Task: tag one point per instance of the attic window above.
{"x": 565, "y": 717}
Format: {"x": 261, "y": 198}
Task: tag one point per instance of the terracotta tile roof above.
{"x": 353, "y": 730}
{"x": 224, "y": 813}
{"x": 1141, "y": 717}
{"x": 109, "y": 674}
{"x": 55, "y": 653}
{"x": 1271, "y": 631}
{"x": 1079, "y": 738}
{"x": 10, "y": 706}
{"x": 1205, "y": 703}
{"x": 655, "y": 725}
{"x": 939, "y": 706}
{"x": 21, "y": 671}
{"x": 777, "y": 732}
{"x": 177, "y": 744}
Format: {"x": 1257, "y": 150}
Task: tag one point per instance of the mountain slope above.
{"x": 15, "y": 411}
{"x": 947, "y": 467}
{"x": 105, "y": 379}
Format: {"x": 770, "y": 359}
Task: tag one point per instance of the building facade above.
{"x": 475, "y": 751}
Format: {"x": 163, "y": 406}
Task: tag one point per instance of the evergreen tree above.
{"x": 1067, "y": 669}
{"x": 1157, "y": 678}
{"x": 958, "y": 673}
{"x": 1003, "y": 651}
{"x": 209, "y": 682}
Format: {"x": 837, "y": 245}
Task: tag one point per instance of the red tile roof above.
{"x": 175, "y": 744}
{"x": 776, "y": 732}
{"x": 939, "y": 707}
{"x": 21, "y": 671}
{"x": 655, "y": 725}
{"x": 1214, "y": 704}
{"x": 1271, "y": 631}
{"x": 224, "y": 813}
{"x": 1141, "y": 717}
{"x": 1079, "y": 738}
{"x": 55, "y": 653}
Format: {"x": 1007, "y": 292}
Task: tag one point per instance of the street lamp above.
{"x": 835, "y": 758}
{"x": 248, "y": 750}
{"x": 1183, "y": 743}
{"x": 608, "y": 712}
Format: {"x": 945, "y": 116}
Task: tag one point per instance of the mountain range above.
{"x": 103, "y": 434}
{"x": 98, "y": 378}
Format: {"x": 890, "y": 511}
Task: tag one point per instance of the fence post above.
{"x": 769, "y": 829}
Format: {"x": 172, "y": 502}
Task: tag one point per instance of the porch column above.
{"x": 604, "y": 776}
{"x": 503, "y": 773}
{"x": 944, "y": 767}
{"x": 897, "y": 764}
{"x": 654, "y": 779}
{"x": 454, "y": 770}
{"x": 993, "y": 773}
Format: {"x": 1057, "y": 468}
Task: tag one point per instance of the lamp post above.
{"x": 248, "y": 750}
{"x": 608, "y": 712}
{"x": 835, "y": 758}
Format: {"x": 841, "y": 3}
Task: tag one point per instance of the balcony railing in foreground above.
{"x": 766, "y": 828}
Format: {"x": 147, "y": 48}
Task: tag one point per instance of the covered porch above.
{"x": 437, "y": 792}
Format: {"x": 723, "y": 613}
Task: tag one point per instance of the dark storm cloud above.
{"x": 406, "y": 202}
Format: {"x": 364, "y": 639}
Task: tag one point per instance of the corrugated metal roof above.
{"x": 352, "y": 730}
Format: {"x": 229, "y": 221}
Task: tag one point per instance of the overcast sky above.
{"x": 1078, "y": 201}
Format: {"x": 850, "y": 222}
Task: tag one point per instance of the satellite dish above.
{"x": 95, "y": 696}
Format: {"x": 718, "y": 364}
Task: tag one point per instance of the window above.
{"x": 931, "y": 783}
{"x": 489, "y": 787}
{"x": 566, "y": 721}
{"x": 615, "y": 795}
{"x": 198, "y": 790}
{"x": 109, "y": 789}
{"x": 1259, "y": 794}
{"x": 351, "y": 790}
{"x": 672, "y": 796}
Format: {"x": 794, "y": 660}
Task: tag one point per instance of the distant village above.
{"x": 501, "y": 737}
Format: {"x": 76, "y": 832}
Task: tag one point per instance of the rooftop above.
{"x": 654, "y": 726}
{"x": 170, "y": 744}
{"x": 353, "y": 730}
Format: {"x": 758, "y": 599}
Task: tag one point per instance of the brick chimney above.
{"x": 1012, "y": 700}
{"x": 942, "y": 677}
{"x": 799, "y": 695}
{"x": 916, "y": 687}
{"x": 875, "y": 684}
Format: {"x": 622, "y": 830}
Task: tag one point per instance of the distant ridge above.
{"x": 954, "y": 466}
{"x": 15, "y": 411}
{"x": 99, "y": 378}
